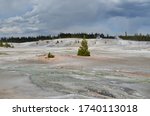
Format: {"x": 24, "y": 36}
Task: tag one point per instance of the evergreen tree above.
{"x": 83, "y": 50}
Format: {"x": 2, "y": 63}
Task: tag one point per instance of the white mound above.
{"x": 75, "y": 42}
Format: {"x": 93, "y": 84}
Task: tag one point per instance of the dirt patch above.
{"x": 45, "y": 59}
{"x": 135, "y": 74}
{"x": 6, "y": 93}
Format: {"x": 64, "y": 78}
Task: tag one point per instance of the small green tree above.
{"x": 50, "y": 55}
{"x": 1, "y": 44}
{"x": 7, "y": 45}
{"x": 83, "y": 50}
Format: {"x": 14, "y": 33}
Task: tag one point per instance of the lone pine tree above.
{"x": 83, "y": 50}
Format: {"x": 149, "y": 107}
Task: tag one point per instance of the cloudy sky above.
{"x": 43, "y": 17}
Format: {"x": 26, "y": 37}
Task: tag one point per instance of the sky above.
{"x": 44, "y": 17}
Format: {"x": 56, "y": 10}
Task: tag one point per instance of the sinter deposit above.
{"x": 115, "y": 69}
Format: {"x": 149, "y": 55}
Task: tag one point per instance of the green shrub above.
{"x": 57, "y": 42}
{"x": 7, "y": 45}
{"x": 83, "y": 50}
{"x": 50, "y": 55}
{"x": 1, "y": 44}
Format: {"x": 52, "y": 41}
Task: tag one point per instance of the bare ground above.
{"x": 112, "y": 71}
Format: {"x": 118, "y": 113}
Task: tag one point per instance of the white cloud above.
{"x": 14, "y": 19}
{"x": 7, "y": 30}
{"x": 54, "y": 16}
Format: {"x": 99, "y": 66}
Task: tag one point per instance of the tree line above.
{"x": 136, "y": 37}
{"x": 24, "y": 39}
{"x": 50, "y": 37}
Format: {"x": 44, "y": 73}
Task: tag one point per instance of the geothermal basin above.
{"x": 116, "y": 69}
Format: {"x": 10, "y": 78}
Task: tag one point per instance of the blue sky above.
{"x": 43, "y": 17}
